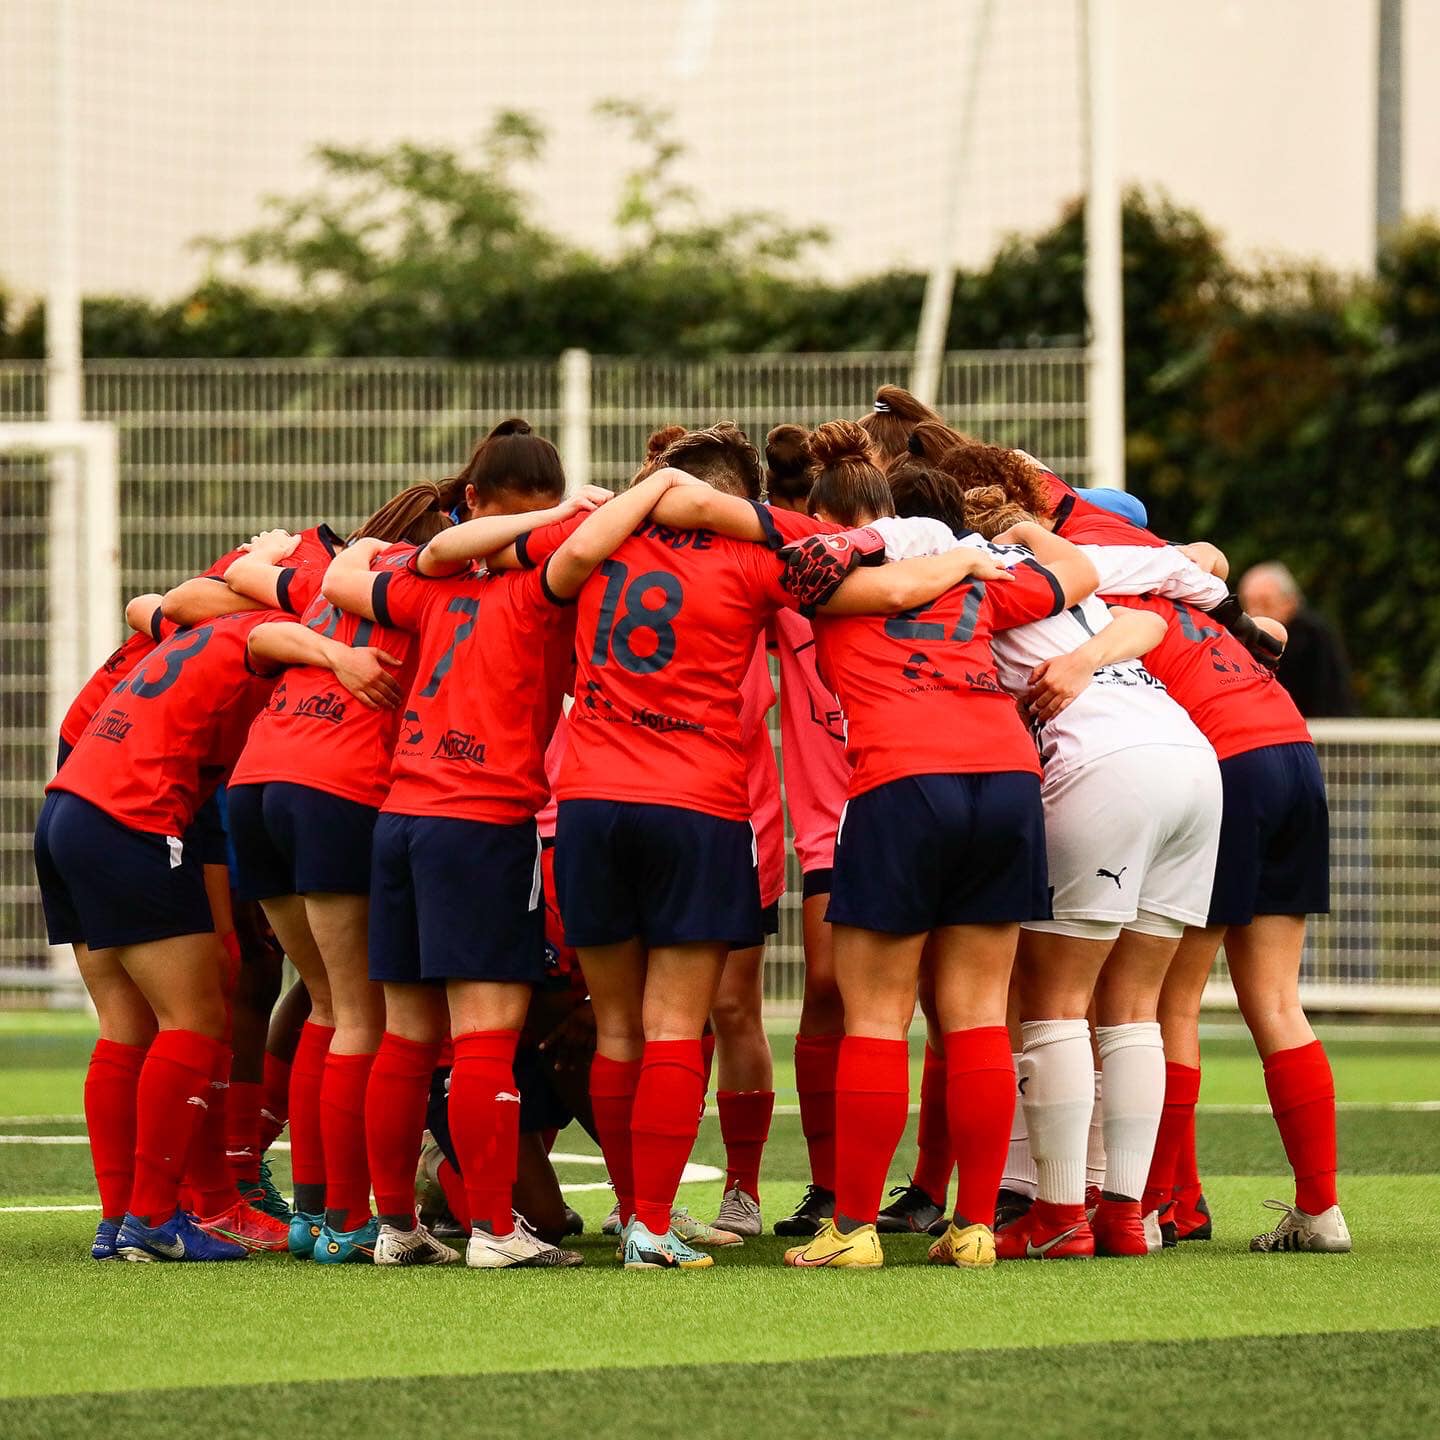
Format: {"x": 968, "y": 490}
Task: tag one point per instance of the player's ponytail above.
{"x": 511, "y": 459}
{"x": 845, "y": 481}
{"x": 787, "y": 463}
{"x": 895, "y": 414}
{"x": 990, "y": 510}
{"x": 416, "y": 514}
{"x": 1023, "y": 480}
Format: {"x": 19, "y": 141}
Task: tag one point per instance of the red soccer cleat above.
{"x": 244, "y": 1225}
{"x": 1191, "y": 1214}
{"x": 1047, "y": 1232}
{"x": 1119, "y": 1228}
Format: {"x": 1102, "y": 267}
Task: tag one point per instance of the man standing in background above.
{"x": 1314, "y": 668}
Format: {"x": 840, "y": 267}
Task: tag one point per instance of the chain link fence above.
{"x": 212, "y": 450}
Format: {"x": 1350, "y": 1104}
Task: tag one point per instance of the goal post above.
{"x": 61, "y": 618}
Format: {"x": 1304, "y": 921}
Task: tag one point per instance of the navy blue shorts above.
{"x": 104, "y": 884}
{"x": 668, "y": 875}
{"x": 292, "y": 840}
{"x": 1274, "y": 836}
{"x": 932, "y": 850}
{"x": 818, "y": 882}
{"x": 207, "y": 832}
{"x": 455, "y": 900}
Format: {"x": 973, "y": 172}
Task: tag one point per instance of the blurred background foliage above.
{"x": 1287, "y": 411}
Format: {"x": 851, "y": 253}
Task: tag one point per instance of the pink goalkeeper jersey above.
{"x": 554, "y": 756}
{"x": 757, "y": 695}
{"x": 812, "y": 741}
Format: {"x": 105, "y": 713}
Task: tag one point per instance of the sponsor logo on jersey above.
{"x": 654, "y": 720}
{"x": 460, "y": 745}
{"x": 279, "y": 698}
{"x": 114, "y": 725}
{"x": 410, "y": 730}
{"x": 329, "y": 707}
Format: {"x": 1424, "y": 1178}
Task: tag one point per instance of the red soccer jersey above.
{"x": 492, "y": 666}
{"x": 919, "y": 689}
{"x": 1235, "y": 702}
{"x": 314, "y": 732}
{"x": 171, "y": 729}
{"x": 1082, "y": 523}
{"x": 667, "y": 627}
{"x": 812, "y": 742}
{"x": 762, "y": 776}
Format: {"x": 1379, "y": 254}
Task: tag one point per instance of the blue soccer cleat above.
{"x": 104, "y": 1246}
{"x": 179, "y": 1238}
{"x": 335, "y": 1247}
{"x": 305, "y": 1231}
{"x": 644, "y": 1250}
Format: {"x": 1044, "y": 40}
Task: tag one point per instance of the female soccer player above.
{"x": 1126, "y": 769}
{"x": 812, "y": 742}
{"x": 1273, "y": 870}
{"x": 456, "y": 892}
{"x": 115, "y": 876}
{"x": 302, "y": 801}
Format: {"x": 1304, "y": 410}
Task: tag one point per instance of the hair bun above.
{"x": 787, "y": 450}
{"x": 661, "y": 440}
{"x": 839, "y": 441}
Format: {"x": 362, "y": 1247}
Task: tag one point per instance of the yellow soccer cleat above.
{"x": 860, "y": 1249}
{"x": 972, "y": 1248}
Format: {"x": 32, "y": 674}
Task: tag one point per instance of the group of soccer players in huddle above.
{"x": 495, "y": 775}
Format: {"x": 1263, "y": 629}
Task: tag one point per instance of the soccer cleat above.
{"x": 611, "y": 1225}
{"x": 859, "y": 1250}
{"x": 179, "y": 1238}
{"x": 430, "y": 1202}
{"x": 1119, "y": 1228}
{"x": 574, "y": 1222}
{"x": 338, "y": 1247}
{"x": 972, "y": 1248}
{"x": 1042, "y": 1234}
{"x": 304, "y": 1231}
{"x": 1092, "y": 1199}
{"x": 1192, "y": 1215}
{"x": 1325, "y": 1233}
{"x": 247, "y": 1226}
{"x": 103, "y": 1246}
{"x": 522, "y": 1249}
{"x": 815, "y": 1208}
{"x": 411, "y": 1247}
{"x": 642, "y": 1249}
{"x": 912, "y": 1214}
{"x": 696, "y": 1232}
{"x": 1010, "y": 1206}
{"x": 739, "y": 1213}
{"x": 264, "y": 1196}
{"x": 1154, "y": 1234}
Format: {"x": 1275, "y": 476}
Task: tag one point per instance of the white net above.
{"x": 828, "y": 112}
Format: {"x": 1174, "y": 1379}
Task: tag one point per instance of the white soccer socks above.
{"x": 1132, "y": 1059}
{"x": 1095, "y": 1141}
{"x": 1019, "y": 1177}
{"x": 1057, "y": 1083}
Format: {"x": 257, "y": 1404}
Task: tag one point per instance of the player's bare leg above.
{"x": 745, "y": 1080}
{"x": 817, "y": 1054}
{"x": 1264, "y": 961}
{"x": 972, "y": 968}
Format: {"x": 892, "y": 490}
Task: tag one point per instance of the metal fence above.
{"x": 211, "y": 450}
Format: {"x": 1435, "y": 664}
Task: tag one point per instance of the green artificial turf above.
{"x": 1376, "y": 1385}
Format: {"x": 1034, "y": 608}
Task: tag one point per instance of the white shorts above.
{"x": 1134, "y": 833}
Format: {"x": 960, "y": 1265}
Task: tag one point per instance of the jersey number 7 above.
{"x": 908, "y": 625}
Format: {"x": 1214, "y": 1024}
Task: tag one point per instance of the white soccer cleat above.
{"x": 739, "y": 1213}
{"x": 521, "y": 1249}
{"x": 1154, "y": 1239}
{"x": 1325, "y": 1233}
{"x": 411, "y": 1247}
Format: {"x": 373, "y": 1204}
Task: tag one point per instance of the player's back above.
{"x": 313, "y": 731}
{"x": 667, "y": 627}
{"x": 172, "y": 726}
{"x": 1234, "y": 700}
